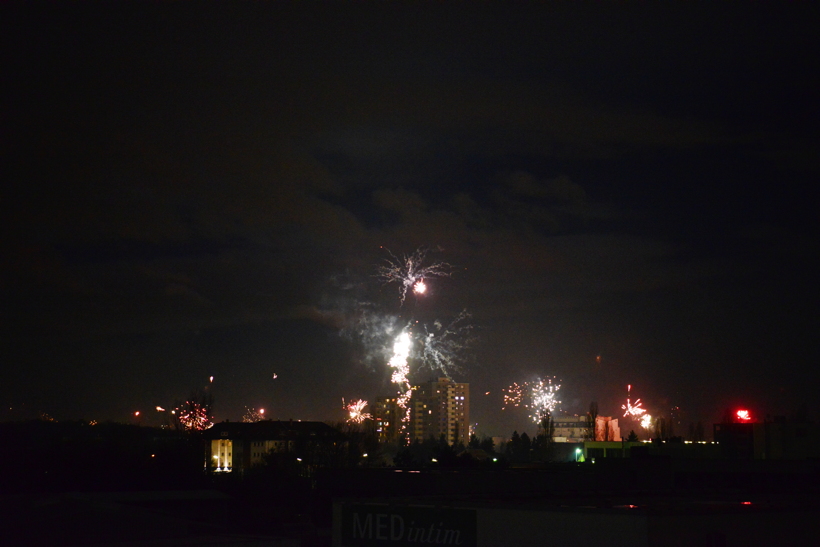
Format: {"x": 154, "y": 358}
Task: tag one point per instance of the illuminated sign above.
{"x": 373, "y": 525}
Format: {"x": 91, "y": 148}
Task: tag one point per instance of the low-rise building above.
{"x": 778, "y": 439}
{"x": 236, "y": 446}
{"x": 570, "y": 429}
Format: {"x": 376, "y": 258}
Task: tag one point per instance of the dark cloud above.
{"x": 188, "y": 191}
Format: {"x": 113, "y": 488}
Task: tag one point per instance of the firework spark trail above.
{"x": 195, "y": 417}
{"x": 401, "y": 366}
{"x": 544, "y": 398}
{"x": 252, "y": 415}
{"x": 401, "y": 371}
{"x": 630, "y": 408}
{"x": 409, "y": 272}
{"x": 514, "y": 395}
{"x": 646, "y": 421}
{"x": 539, "y": 396}
{"x": 443, "y": 348}
{"x": 355, "y": 410}
{"x": 633, "y": 409}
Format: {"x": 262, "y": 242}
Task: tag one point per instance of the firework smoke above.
{"x": 443, "y": 347}
{"x": 396, "y": 339}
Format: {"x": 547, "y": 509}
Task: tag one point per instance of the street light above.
{"x": 577, "y": 453}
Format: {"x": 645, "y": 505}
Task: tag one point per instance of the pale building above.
{"x": 570, "y": 429}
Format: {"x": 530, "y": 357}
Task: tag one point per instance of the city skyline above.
{"x": 202, "y": 196}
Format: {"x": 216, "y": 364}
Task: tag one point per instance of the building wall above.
{"x": 441, "y": 408}
{"x": 239, "y": 446}
{"x": 570, "y": 429}
{"x": 222, "y": 454}
{"x": 387, "y": 418}
{"x": 258, "y": 449}
{"x": 492, "y": 524}
{"x": 777, "y": 440}
{"x": 607, "y": 429}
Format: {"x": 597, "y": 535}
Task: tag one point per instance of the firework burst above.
{"x": 540, "y": 397}
{"x": 632, "y": 409}
{"x": 443, "y": 346}
{"x": 194, "y": 417}
{"x": 409, "y": 272}
{"x": 196, "y": 414}
{"x": 398, "y": 339}
{"x": 252, "y": 415}
{"x": 355, "y": 410}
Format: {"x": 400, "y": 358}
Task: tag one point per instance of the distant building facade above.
{"x": 607, "y": 429}
{"x": 440, "y": 407}
{"x": 779, "y": 439}
{"x": 235, "y": 446}
{"x": 570, "y": 429}
{"x": 387, "y": 417}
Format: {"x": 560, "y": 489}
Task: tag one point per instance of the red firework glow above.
{"x": 743, "y": 415}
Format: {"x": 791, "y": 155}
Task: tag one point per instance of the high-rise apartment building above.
{"x": 440, "y": 407}
{"x": 387, "y": 417}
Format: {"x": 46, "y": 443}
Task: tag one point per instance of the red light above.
{"x": 743, "y": 415}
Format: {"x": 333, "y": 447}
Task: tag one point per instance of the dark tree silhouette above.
{"x": 592, "y": 416}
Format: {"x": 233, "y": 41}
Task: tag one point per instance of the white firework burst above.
{"x": 444, "y": 347}
{"x": 409, "y": 272}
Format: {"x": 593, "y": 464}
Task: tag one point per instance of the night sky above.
{"x": 626, "y": 193}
